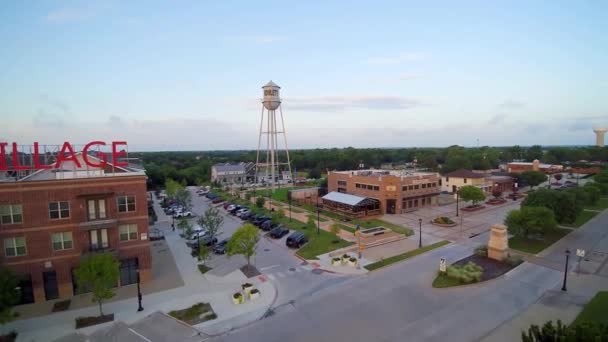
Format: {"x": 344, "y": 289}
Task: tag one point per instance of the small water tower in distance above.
{"x": 600, "y": 133}
{"x": 267, "y": 160}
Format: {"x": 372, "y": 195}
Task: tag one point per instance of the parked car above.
{"x": 241, "y": 211}
{"x": 268, "y": 225}
{"x": 180, "y": 214}
{"x": 296, "y": 240}
{"x": 260, "y": 220}
{"x": 235, "y": 209}
{"x": 246, "y": 216}
{"x": 205, "y": 240}
{"x": 278, "y": 232}
{"x": 220, "y": 247}
{"x": 217, "y": 200}
{"x": 230, "y": 207}
{"x": 226, "y": 205}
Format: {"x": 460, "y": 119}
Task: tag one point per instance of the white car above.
{"x": 241, "y": 212}
{"x": 181, "y": 214}
{"x": 230, "y": 207}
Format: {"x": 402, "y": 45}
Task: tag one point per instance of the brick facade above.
{"x": 391, "y": 189}
{"x": 37, "y": 226}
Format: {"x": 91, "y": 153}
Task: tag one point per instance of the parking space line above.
{"x": 269, "y": 267}
{"x": 306, "y": 267}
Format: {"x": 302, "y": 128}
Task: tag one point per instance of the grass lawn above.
{"x": 595, "y": 311}
{"x": 534, "y": 246}
{"x": 371, "y": 223}
{"x": 443, "y": 280}
{"x": 582, "y": 218}
{"x": 317, "y": 244}
{"x": 345, "y": 227}
{"x": 600, "y": 205}
{"x": 314, "y": 217}
{"x": 296, "y": 210}
{"x": 404, "y": 256}
{"x": 192, "y": 314}
{"x": 281, "y": 194}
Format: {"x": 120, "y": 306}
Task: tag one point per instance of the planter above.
{"x": 345, "y": 258}
{"x": 254, "y": 294}
{"x": 352, "y": 262}
{"x": 443, "y": 221}
{"x": 82, "y": 322}
{"x": 336, "y": 261}
{"x": 238, "y": 298}
{"x": 473, "y": 208}
{"x": 496, "y": 201}
{"x": 247, "y": 287}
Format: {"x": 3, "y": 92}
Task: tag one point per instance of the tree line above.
{"x": 194, "y": 167}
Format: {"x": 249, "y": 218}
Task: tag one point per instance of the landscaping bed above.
{"x": 581, "y": 219}
{"x": 496, "y": 201}
{"x": 443, "y": 221}
{"x": 474, "y": 264}
{"x": 250, "y": 271}
{"x": 82, "y": 322}
{"x": 203, "y": 268}
{"x": 536, "y": 245}
{"x": 600, "y": 205}
{"x": 371, "y": 223}
{"x": 400, "y": 257}
{"x": 197, "y": 313}
{"x": 471, "y": 208}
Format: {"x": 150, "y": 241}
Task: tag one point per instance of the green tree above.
{"x": 204, "y": 252}
{"x": 534, "y": 152}
{"x": 335, "y": 230}
{"x": 100, "y": 273}
{"x": 311, "y": 224}
{"x": 549, "y": 332}
{"x": 171, "y": 187}
{"x": 185, "y": 227}
{"x": 470, "y": 193}
{"x": 260, "y": 201}
{"x": 243, "y": 242}
{"x": 603, "y": 188}
{"x": 211, "y": 221}
{"x": 456, "y": 162}
{"x": 601, "y": 177}
{"x": 563, "y": 204}
{"x": 9, "y": 295}
{"x": 184, "y": 198}
{"x": 530, "y": 220}
{"x": 533, "y": 178}
{"x": 593, "y": 193}
{"x": 277, "y": 215}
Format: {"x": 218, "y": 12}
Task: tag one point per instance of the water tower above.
{"x": 600, "y": 132}
{"x": 268, "y": 164}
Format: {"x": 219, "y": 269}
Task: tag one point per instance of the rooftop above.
{"x": 464, "y": 173}
{"x": 347, "y": 199}
{"x": 381, "y": 172}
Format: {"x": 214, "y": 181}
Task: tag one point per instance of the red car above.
{"x": 217, "y": 200}
{"x": 226, "y": 204}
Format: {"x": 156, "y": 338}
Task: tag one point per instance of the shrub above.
{"x": 248, "y": 196}
{"x": 443, "y": 220}
{"x": 468, "y": 273}
{"x": 481, "y": 250}
{"x": 513, "y": 260}
{"x": 260, "y": 201}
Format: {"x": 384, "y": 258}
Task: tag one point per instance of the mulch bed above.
{"x": 250, "y": 271}
{"x": 61, "y": 305}
{"x": 491, "y": 268}
{"x": 496, "y": 201}
{"x": 82, "y": 322}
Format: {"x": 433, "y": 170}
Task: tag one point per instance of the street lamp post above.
{"x": 289, "y": 195}
{"x": 318, "y": 217}
{"x": 457, "y": 198}
{"x": 139, "y": 308}
{"x": 358, "y": 240}
{"x": 566, "y": 270}
{"x": 420, "y": 233}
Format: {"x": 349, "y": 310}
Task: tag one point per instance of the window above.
{"x": 465, "y": 181}
{"x": 410, "y": 187}
{"x": 447, "y": 179}
{"x": 126, "y": 204}
{"x": 370, "y": 187}
{"x": 98, "y": 239}
{"x": 376, "y": 188}
{"x": 424, "y": 186}
{"x": 416, "y": 186}
{"x": 357, "y": 185}
{"x": 11, "y": 214}
{"x": 61, "y": 241}
{"x": 341, "y": 183}
{"x": 14, "y": 246}
{"x": 59, "y": 210}
{"x": 404, "y": 188}
{"x": 96, "y": 209}
{"x": 434, "y": 185}
{"x": 128, "y": 232}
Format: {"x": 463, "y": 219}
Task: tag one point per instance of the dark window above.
{"x": 341, "y": 183}
{"x": 424, "y": 186}
{"x": 416, "y": 186}
{"x": 465, "y": 181}
{"x": 126, "y": 204}
{"x": 376, "y": 188}
{"x": 59, "y": 210}
{"x": 410, "y": 187}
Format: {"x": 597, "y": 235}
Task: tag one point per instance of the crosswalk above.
{"x": 281, "y": 272}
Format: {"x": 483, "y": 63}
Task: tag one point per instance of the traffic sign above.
{"x": 580, "y": 253}
{"x": 442, "y": 266}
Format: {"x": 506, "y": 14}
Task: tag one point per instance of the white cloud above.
{"x": 63, "y": 15}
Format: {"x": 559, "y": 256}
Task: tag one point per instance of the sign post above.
{"x": 580, "y": 253}
{"x": 442, "y": 266}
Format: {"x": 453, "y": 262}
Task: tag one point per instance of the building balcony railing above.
{"x": 98, "y": 224}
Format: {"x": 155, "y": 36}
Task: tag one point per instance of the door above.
{"x": 50, "y": 285}
{"x": 128, "y": 271}
{"x": 454, "y": 189}
{"x": 26, "y": 290}
{"x": 390, "y": 206}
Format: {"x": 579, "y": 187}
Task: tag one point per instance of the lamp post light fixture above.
{"x": 139, "y": 308}
{"x": 566, "y": 271}
{"x": 420, "y": 233}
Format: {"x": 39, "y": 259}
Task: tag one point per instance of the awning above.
{"x": 347, "y": 199}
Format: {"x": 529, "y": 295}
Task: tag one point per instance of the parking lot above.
{"x": 292, "y": 277}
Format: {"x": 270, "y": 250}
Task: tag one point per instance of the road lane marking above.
{"x": 269, "y": 267}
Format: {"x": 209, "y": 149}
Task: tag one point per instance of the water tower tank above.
{"x": 271, "y": 96}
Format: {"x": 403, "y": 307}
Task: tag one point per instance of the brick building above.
{"x": 51, "y": 219}
{"x": 519, "y": 167}
{"x": 394, "y": 191}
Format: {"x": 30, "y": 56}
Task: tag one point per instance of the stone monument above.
{"x": 499, "y": 242}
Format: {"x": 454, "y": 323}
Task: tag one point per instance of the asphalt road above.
{"x": 293, "y": 279}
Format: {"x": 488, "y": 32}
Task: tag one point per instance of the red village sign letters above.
{"x": 66, "y": 154}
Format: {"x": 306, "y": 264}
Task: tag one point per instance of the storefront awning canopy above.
{"x": 347, "y": 199}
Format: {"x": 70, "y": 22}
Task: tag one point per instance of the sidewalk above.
{"x": 198, "y": 288}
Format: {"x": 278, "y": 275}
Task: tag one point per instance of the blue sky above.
{"x": 187, "y": 74}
